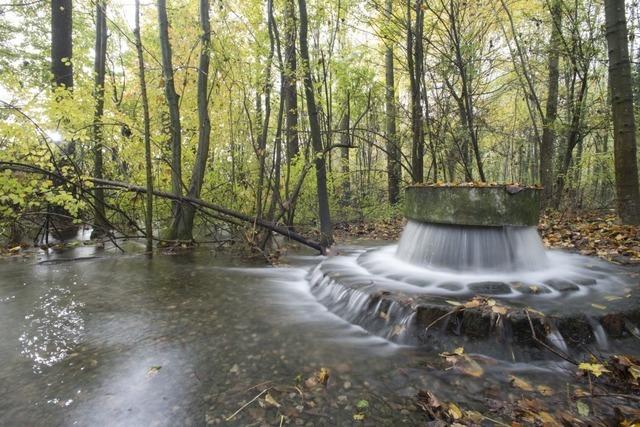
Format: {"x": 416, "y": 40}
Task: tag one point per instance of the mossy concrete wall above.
{"x": 475, "y": 206}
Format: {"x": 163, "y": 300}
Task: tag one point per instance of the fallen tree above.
{"x": 201, "y": 204}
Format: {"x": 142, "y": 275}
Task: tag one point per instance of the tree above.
{"x": 414, "y": 65}
{"x": 175, "y": 127}
{"x": 62, "y": 42}
{"x": 99, "y": 70}
{"x": 148, "y": 222}
{"x": 290, "y": 82}
{"x": 182, "y": 228}
{"x": 626, "y": 168}
{"x": 393, "y": 149}
{"x": 549, "y": 120}
{"x": 316, "y": 141}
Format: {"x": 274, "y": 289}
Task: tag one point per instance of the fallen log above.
{"x": 20, "y": 167}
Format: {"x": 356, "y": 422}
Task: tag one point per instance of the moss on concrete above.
{"x": 474, "y": 206}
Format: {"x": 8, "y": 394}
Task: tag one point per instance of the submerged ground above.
{"x": 199, "y": 338}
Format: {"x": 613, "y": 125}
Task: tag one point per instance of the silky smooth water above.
{"x": 472, "y": 249}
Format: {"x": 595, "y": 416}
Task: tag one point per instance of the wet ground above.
{"x": 201, "y": 338}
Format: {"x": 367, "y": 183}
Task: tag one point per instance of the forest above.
{"x": 305, "y": 212}
{"x": 307, "y": 115}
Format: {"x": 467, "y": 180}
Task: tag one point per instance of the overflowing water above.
{"x": 433, "y": 267}
{"x": 472, "y": 249}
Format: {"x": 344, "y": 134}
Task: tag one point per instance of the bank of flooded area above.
{"x": 91, "y": 337}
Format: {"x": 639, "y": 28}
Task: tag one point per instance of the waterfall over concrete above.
{"x": 477, "y": 249}
{"x": 472, "y": 249}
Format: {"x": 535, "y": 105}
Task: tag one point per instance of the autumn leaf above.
{"x": 594, "y": 368}
{"x": 520, "y": 383}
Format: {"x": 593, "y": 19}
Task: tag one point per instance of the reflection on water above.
{"x": 52, "y": 328}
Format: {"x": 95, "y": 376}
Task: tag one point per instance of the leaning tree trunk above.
{"x": 548, "y": 131}
{"x": 148, "y": 220}
{"x": 100, "y": 220}
{"x": 182, "y": 228}
{"x": 393, "y": 150}
{"x": 174, "y": 112}
{"x": 314, "y": 125}
{"x": 626, "y": 167}
{"x": 62, "y": 43}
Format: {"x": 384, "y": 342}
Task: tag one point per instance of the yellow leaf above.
{"x": 520, "y": 383}
{"x": 459, "y": 350}
{"x": 594, "y": 368}
{"x": 323, "y": 376}
{"x": 358, "y": 417}
{"x": 599, "y": 306}
{"x": 454, "y": 411}
{"x": 271, "y": 401}
{"x": 545, "y": 390}
{"x": 499, "y": 309}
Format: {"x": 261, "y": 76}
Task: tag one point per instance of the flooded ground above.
{"x": 201, "y": 338}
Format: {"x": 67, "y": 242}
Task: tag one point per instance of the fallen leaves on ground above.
{"x": 592, "y": 233}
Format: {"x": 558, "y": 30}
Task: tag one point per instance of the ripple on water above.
{"x": 52, "y": 328}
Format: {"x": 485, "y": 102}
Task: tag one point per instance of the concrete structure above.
{"x": 474, "y": 206}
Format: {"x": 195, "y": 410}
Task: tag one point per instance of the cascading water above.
{"x": 472, "y": 249}
{"x": 446, "y": 256}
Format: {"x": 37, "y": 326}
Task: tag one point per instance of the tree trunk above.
{"x": 393, "y": 149}
{"x": 345, "y": 139}
{"x": 626, "y": 168}
{"x": 174, "y": 112}
{"x": 62, "y": 43}
{"x": 548, "y": 123}
{"x": 98, "y": 94}
{"x": 414, "y": 64}
{"x": 290, "y": 82}
{"x": 182, "y": 228}
{"x": 148, "y": 220}
{"x": 316, "y": 141}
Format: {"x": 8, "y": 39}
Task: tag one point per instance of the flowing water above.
{"x": 189, "y": 339}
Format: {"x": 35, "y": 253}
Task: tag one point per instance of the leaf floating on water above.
{"x": 612, "y": 297}
{"x": 323, "y": 376}
{"x": 153, "y": 371}
{"x": 599, "y": 306}
{"x": 583, "y": 408}
{"x": 594, "y": 368}
{"x": 520, "y": 383}
{"x": 362, "y": 404}
{"x": 358, "y": 417}
{"x": 454, "y": 303}
{"x": 545, "y": 390}
{"x": 454, "y": 411}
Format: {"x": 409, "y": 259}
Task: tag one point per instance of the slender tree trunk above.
{"x": 62, "y": 43}
{"x": 148, "y": 220}
{"x": 345, "y": 139}
{"x": 290, "y": 87}
{"x": 393, "y": 149}
{"x": 182, "y": 228}
{"x": 548, "y": 122}
{"x": 316, "y": 141}
{"x": 414, "y": 64}
{"x": 626, "y": 167}
{"x": 98, "y": 94}
{"x": 174, "y": 112}
{"x": 264, "y": 132}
